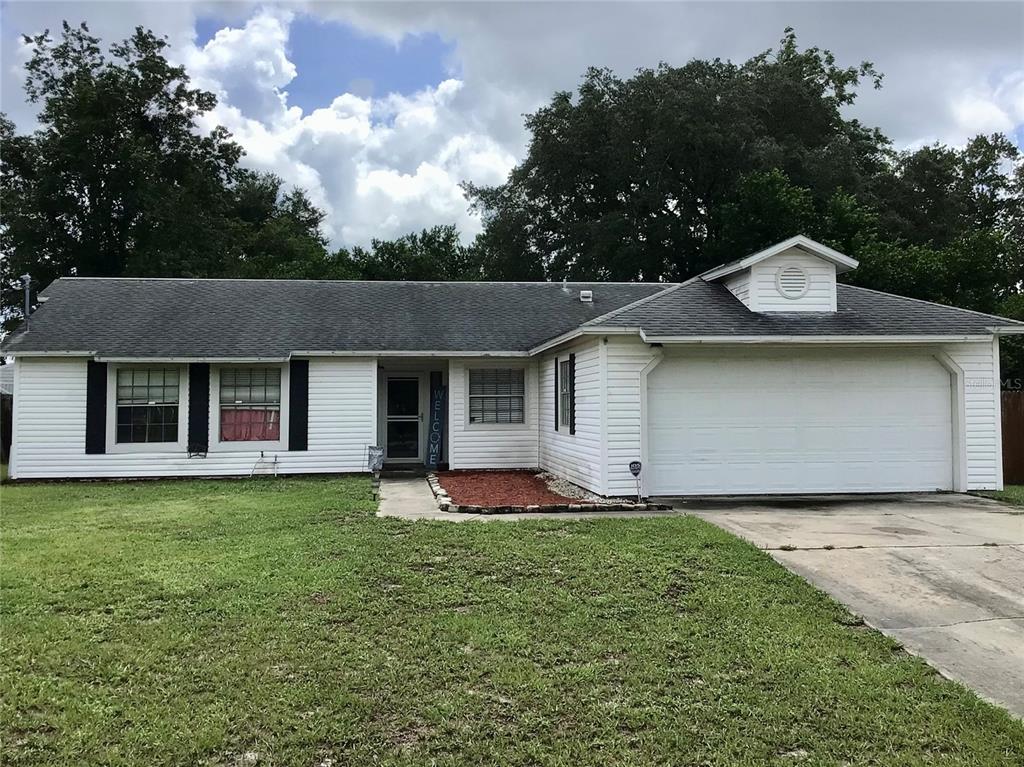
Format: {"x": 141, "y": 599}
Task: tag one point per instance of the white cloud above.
{"x": 999, "y": 108}
{"x": 385, "y": 165}
{"x": 379, "y": 167}
{"x": 248, "y": 67}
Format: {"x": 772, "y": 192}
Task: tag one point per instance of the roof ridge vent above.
{"x": 587, "y": 296}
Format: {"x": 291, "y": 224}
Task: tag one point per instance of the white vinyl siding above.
{"x": 577, "y": 457}
{"x": 626, "y": 357}
{"x": 982, "y": 416}
{"x": 49, "y": 427}
{"x": 764, "y": 295}
{"x": 739, "y": 286}
{"x": 490, "y": 445}
{"x": 611, "y": 408}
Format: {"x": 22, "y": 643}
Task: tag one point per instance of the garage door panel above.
{"x": 821, "y": 422}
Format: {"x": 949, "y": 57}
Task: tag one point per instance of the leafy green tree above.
{"x": 433, "y": 254}
{"x": 934, "y": 195}
{"x": 644, "y": 178}
{"x": 765, "y": 207}
{"x": 672, "y": 171}
{"x": 117, "y": 180}
{"x": 277, "y": 234}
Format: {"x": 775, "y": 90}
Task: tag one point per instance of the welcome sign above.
{"x": 435, "y": 432}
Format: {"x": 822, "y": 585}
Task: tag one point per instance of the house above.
{"x": 764, "y": 375}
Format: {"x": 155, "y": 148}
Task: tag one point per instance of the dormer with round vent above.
{"x": 792, "y": 281}
{"x": 798, "y": 275}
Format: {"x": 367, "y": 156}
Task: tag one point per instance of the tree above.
{"x": 677, "y": 169}
{"x": 119, "y": 181}
{"x": 646, "y": 178}
{"x": 433, "y": 254}
{"x": 765, "y": 207}
{"x": 276, "y": 233}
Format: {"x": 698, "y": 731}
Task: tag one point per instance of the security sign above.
{"x": 634, "y": 468}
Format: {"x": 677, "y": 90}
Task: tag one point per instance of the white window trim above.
{"x": 113, "y": 446}
{"x": 525, "y": 425}
{"x": 219, "y": 446}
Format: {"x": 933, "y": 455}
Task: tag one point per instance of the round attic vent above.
{"x": 792, "y": 282}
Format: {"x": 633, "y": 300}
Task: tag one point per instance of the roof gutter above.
{"x": 834, "y": 340}
{"x": 408, "y": 353}
{"x": 95, "y": 355}
{"x": 16, "y": 353}
{"x": 582, "y": 331}
{"x": 183, "y": 360}
{"x": 784, "y": 339}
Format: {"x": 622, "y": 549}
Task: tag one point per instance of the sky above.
{"x": 381, "y": 110}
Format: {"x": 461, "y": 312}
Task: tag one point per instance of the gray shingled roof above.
{"x": 700, "y": 308}
{"x": 272, "y": 318}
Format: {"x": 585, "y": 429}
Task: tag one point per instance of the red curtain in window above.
{"x": 249, "y": 425}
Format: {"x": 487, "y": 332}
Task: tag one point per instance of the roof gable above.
{"x": 843, "y": 263}
{"x": 702, "y": 309}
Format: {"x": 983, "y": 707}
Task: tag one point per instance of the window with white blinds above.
{"x": 497, "y": 395}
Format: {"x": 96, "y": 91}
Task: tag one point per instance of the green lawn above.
{"x": 1011, "y": 494}
{"x": 281, "y": 623}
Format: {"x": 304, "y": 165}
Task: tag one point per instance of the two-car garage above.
{"x": 806, "y": 421}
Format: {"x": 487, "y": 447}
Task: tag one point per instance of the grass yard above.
{"x": 1011, "y": 494}
{"x": 281, "y": 623}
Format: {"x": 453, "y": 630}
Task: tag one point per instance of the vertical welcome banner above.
{"x": 435, "y": 432}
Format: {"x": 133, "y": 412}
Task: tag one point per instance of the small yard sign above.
{"x": 634, "y": 469}
{"x": 374, "y": 458}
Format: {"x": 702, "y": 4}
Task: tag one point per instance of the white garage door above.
{"x": 798, "y": 422}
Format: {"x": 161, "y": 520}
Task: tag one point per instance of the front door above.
{"x": 403, "y": 419}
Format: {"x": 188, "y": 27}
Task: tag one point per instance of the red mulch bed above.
{"x": 499, "y": 488}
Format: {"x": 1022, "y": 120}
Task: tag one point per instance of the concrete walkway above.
{"x": 942, "y": 574}
{"x": 410, "y": 498}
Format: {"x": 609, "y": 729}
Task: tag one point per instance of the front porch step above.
{"x": 398, "y": 472}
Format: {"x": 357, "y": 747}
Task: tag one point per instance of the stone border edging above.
{"x": 445, "y": 503}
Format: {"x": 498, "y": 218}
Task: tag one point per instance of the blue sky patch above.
{"x": 332, "y": 58}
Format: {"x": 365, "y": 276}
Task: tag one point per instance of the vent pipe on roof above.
{"x": 587, "y": 296}
{"x": 26, "y": 283}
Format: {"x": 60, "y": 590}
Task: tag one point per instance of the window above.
{"x": 497, "y": 395}
{"x": 147, "y": 405}
{"x": 250, "y": 404}
{"x": 564, "y": 393}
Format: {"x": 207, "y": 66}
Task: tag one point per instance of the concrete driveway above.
{"x": 942, "y": 574}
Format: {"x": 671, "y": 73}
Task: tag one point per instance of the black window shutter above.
{"x": 198, "y": 407}
{"x": 298, "y": 405}
{"x": 572, "y": 393}
{"x": 96, "y": 408}
{"x": 556, "y": 393}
